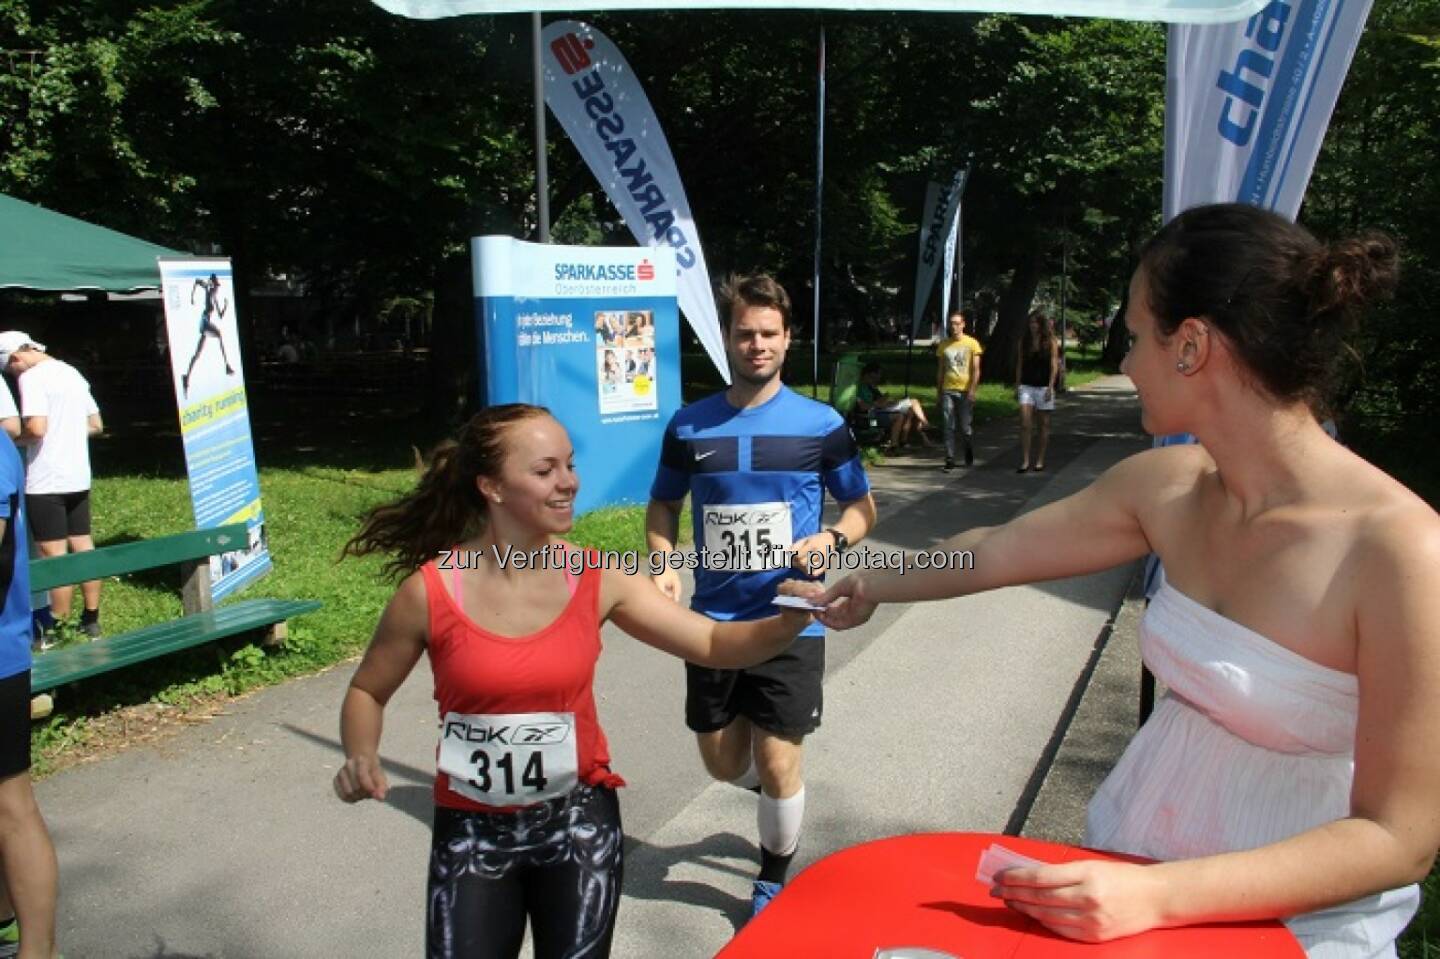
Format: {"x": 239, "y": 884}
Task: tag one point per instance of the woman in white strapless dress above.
{"x": 1291, "y": 770}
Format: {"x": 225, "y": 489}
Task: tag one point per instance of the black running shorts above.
{"x": 783, "y": 695}
{"x": 55, "y": 516}
{"x": 14, "y": 724}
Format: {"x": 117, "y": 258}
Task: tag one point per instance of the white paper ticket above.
{"x": 798, "y": 602}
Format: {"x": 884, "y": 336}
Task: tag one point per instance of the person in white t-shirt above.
{"x": 58, "y": 416}
{"x": 9, "y": 413}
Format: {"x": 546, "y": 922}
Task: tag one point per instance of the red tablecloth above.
{"x": 921, "y": 891}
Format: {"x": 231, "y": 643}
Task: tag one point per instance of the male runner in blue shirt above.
{"x": 756, "y": 460}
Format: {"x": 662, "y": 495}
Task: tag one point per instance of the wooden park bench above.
{"x": 202, "y": 622}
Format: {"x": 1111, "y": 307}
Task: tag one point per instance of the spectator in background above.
{"x": 957, "y": 378}
{"x": 899, "y": 417}
{"x": 44, "y": 622}
{"x": 289, "y": 349}
{"x": 58, "y": 416}
{"x": 9, "y": 412}
{"x": 1037, "y": 364}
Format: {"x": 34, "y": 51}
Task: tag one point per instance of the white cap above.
{"x": 13, "y": 341}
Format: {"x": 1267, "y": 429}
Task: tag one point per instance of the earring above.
{"x": 1182, "y": 366}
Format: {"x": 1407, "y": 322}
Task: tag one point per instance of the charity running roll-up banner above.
{"x": 598, "y": 99}
{"x": 209, "y": 385}
{"x": 593, "y": 334}
{"x": 942, "y": 205}
{"x": 1246, "y": 109}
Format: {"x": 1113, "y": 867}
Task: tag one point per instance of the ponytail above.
{"x": 446, "y": 507}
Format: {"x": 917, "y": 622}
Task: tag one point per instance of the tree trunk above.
{"x": 999, "y": 357}
{"x": 243, "y": 277}
{"x": 453, "y": 390}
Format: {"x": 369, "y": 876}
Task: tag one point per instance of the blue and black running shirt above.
{"x": 757, "y": 480}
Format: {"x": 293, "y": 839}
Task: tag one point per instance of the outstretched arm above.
{"x": 638, "y": 607}
{"x": 396, "y": 646}
{"x": 1095, "y": 529}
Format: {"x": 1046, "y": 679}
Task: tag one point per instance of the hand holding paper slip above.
{"x": 800, "y": 594}
{"x": 997, "y": 859}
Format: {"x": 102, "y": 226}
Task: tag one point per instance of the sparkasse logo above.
{"x": 645, "y": 271}
{"x": 570, "y": 51}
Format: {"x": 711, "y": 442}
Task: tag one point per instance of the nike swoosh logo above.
{"x": 701, "y": 456}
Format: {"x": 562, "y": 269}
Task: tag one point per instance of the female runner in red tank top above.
{"x": 527, "y": 823}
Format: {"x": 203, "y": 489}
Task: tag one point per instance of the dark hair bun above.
{"x": 1350, "y": 273}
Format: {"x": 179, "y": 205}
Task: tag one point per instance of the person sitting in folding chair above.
{"x": 898, "y": 417}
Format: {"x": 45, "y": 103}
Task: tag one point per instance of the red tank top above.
{"x": 517, "y": 714}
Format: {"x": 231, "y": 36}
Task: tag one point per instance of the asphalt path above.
{"x": 225, "y": 840}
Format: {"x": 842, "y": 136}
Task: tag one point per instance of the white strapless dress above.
{"x": 1251, "y": 744}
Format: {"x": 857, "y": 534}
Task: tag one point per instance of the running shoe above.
{"x": 10, "y": 940}
{"x": 91, "y": 628}
{"x": 761, "y": 892}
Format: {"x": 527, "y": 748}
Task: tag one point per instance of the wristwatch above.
{"x": 842, "y": 543}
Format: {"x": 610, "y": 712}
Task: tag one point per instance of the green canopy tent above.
{"x": 48, "y": 251}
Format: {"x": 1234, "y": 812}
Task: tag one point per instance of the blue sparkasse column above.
{"x": 593, "y": 334}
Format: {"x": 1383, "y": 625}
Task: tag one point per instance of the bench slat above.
{"x": 59, "y": 666}
{"x": 133, "y": 557}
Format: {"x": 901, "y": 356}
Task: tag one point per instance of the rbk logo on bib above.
{"x": 510, "y": 759}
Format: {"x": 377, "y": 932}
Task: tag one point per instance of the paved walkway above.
{"x": 225, "y": 840}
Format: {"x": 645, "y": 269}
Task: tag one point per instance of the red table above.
{"x": 921, "y": 891}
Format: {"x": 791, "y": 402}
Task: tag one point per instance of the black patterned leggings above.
{"x": 559, "y": 863}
